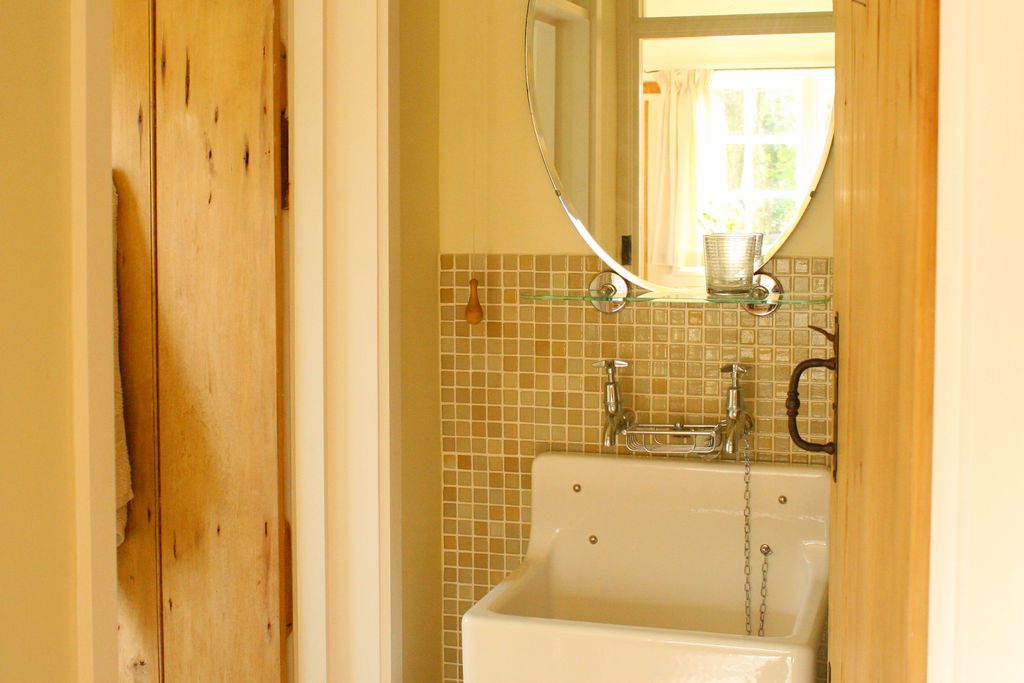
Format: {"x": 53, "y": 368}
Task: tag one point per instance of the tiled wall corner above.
{"x": 521, "y": 383}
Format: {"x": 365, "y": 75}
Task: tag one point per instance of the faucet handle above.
{"x": 736, "y": 369}
{"x": 610, "y": 365}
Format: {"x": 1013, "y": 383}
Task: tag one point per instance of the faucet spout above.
{"x": 735, "y": 432}
{"x": 617, "y": 424}
{"x": 738, "y": 423}
{"x": 617, "y": 419}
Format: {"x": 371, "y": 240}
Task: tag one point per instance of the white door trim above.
{"x": 341, "y": 208}
{"x": 309, "y": 516}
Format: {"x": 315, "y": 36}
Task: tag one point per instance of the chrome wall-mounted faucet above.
{"x": 617, "y": 419}
{"x": 738, "y": 422}
{"x": 728, "y": 436}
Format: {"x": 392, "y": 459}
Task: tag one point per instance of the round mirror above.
{"x": 663, "y": 120}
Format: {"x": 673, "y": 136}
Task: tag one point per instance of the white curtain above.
{"x": 679, "y": 123}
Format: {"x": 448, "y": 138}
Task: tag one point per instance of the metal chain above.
{"x": 746, "y": 529}
{"x": 766, "y": 550}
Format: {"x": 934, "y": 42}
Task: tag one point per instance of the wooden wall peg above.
{"x": 474, "y": 312}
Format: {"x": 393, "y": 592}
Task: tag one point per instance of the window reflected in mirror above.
{"x": 732, "y": 137}
{"x": 703, "y": 8}
{"x": 728, "y": 150}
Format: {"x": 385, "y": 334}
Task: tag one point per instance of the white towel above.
{"x": 122, "y": 466}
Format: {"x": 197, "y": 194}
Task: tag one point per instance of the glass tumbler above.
{"x": 730, "y": 260}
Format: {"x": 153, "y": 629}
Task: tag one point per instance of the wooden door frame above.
{"x": 92, "y": 340}
{"x": 92, "y": 343}
{"x": 340, "y": 352}
{"x": 886, "y": 134}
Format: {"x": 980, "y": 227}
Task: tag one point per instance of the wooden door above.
{"x": 218, "y": 230}
{"x": 886, "y": 140}
{"x": 197, "y": 107}
{"x": 138, "y": 558}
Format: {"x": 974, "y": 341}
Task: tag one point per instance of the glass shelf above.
{"x": 696, "y": 296}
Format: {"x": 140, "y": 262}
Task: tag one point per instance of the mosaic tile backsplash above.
{"x": 522, "y": 383}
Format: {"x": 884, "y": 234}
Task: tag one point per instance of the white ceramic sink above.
{"x": 658, "y": 598}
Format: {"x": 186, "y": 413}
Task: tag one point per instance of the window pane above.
{"x": 772, "y": 216}
{"x": 775, "y": 167}
{"x": 724, "y": 215}
{"x": 776, "y": 111}
{"x": 734, "y": 166}
{"x": 699, "y": 8}
{"x": 732, "y": 110}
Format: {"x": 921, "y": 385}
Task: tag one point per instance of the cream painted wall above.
{"x": 37, "y": 567}
{"x": 813, "y": 235}
{"x": 494, "y": 192}
{"x": 977, "y": 596}
{"x": 419, "y": 335}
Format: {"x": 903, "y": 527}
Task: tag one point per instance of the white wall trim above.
{"x": 92, "y": 340}
{"x": 340, "y": 206}
{"x": 356, "y": 491}
{"x": 306, "y": 111}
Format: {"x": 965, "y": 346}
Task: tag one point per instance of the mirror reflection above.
{"x": 664, "y": 121}
{"x": 697, "y": 8}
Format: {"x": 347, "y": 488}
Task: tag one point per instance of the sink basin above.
{"x": 634, "y": 572}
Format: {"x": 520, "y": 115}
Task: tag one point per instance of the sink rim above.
{"x": 809, "y": 619}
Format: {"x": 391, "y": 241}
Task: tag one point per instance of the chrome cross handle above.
{"x": 610, "y": 366}
{"x": 736, "y": 369}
